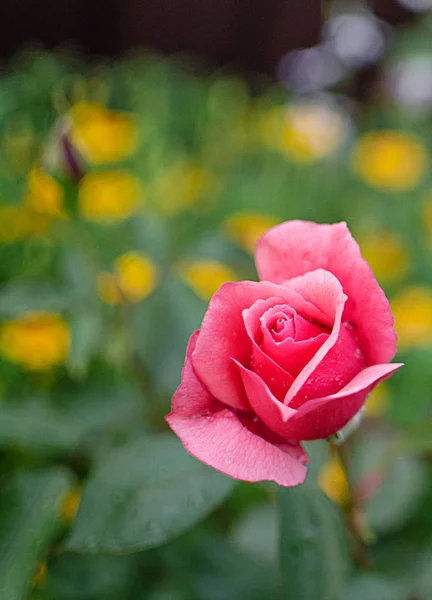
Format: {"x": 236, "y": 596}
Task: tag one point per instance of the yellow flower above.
{"x": 386, "y": 255}
{"x": 412, "y": 310}
{"x": 391, "y": 160}
{"x": 19, "y": 222}
{"x": 182, "y": 186}
{"x": 102, "y": 135}
{"x": 36, "y": 340}
{"x": 378, "y": 401}
{"x": 306, "y": 132}
{"x": 70, "y": 504}
{"x": 246, "y": 228}
{"x": 109, "y": 195}
{"x": 45, "y": 194}
{"x": 206, "y": 276}
{"x": 333, "y": 482}
{"x": 134, "y": 278}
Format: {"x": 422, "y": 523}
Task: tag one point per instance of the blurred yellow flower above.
{"x": 135, "y": 277}
{"x": 246, "y": 228}
{"x": 206, "y": 276}
{"x": 378, "y": 401}
{"x": 35, "y": 340}
{"x": 333, "y": 482}
{"x": 182, "y": 186}
{"x": 391, "y": 160}
{"x": 306, "y": 132}
{"x": 102, "y": 135}
{"x": 70, "y": 504}
{"x": 45, "y": 194}
{"x": 412, "y": 310}
{"x": 18, "y": 222}
{"x": 386, "y": 255}
{"x": 109, "y": 195}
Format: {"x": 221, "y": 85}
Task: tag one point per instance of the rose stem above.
{"x": 354, "y": 516}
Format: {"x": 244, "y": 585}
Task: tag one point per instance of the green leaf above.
{"x": 87, "y": 332}
{"x": 418, "y": 408}
{"x": 39, "y": 426}
{"x": 256, "y": 533}
{"x": 216, "y": 570}
{"x": 313, "y": 552}
{"x": 402, "y": 490}
{"x": 75, "y": 577}
{"x": 17, "y": 298}
{"x": 143, "y": 494}
{"x": 29, "y": 520}
{"x": 162, "y": 327}
{"x": 375, "y": 587}
{"x": 421, "y": 586}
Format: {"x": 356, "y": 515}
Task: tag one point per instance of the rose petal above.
{"x": 341, "y": 364}
{"x": 271, "y": 411}
{"x": 290, "y": 355}
{"x": 223, "y": 335}
{"x": 294, "y": 346}
{"x": 224, "y": 443}
{"x": 317, "y": 419}
{"x": 322, "y": 417}
{"x": 328, "y": 294}
{"x": 192, "y": 399}
{"x": 297, "y": 247}
{"x": 278, "y": 380}
{"x": 220, "y": 438}
{"x": 275, "y": 376}
{"x": 306, "y": 330}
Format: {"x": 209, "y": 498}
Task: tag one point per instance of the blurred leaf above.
{"x": 87, "y": 333}
{"x": 257, "y": 532}
{"x": 75, "y": 577}
{"x": 403, "y": 487}
{"x": 313, "y": 551}
{"x": 412, "y": 403}
{"x": 165, "y": 592}
{"x": 421, "y": 577}
{"x": 39, "y": 426}
{"x": 29, "y": 520}
{"x": 35, "y": 424}
{"x": 17, "y": 298}
{"x": 375, "y": 587}
{"x": 215, "y": 570}
{"x": 78, "y": 270}
{"x": 162, "y": 327}
{"x": 142, "y": 494}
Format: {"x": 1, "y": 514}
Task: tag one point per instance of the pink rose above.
{"x": 290, "y": 358}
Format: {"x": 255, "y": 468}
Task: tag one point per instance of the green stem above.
{"x": 354, "y": 514}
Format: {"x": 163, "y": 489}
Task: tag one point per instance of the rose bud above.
{"x": 287, "y": 359}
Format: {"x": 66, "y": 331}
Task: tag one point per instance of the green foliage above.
{"x": 143, "y": 494}
{"x": 82, "y": 403}
{"x": 313, "y": 551}
{"x": 29, "y": 523}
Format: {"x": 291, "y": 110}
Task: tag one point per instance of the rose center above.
{"x": 281, "y": 326}
{"x": 290, "y": 339}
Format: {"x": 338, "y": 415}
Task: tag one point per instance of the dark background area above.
{"x": 249, "y": 34}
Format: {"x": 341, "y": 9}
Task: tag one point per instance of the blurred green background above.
{"x": 129, "y": 192}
